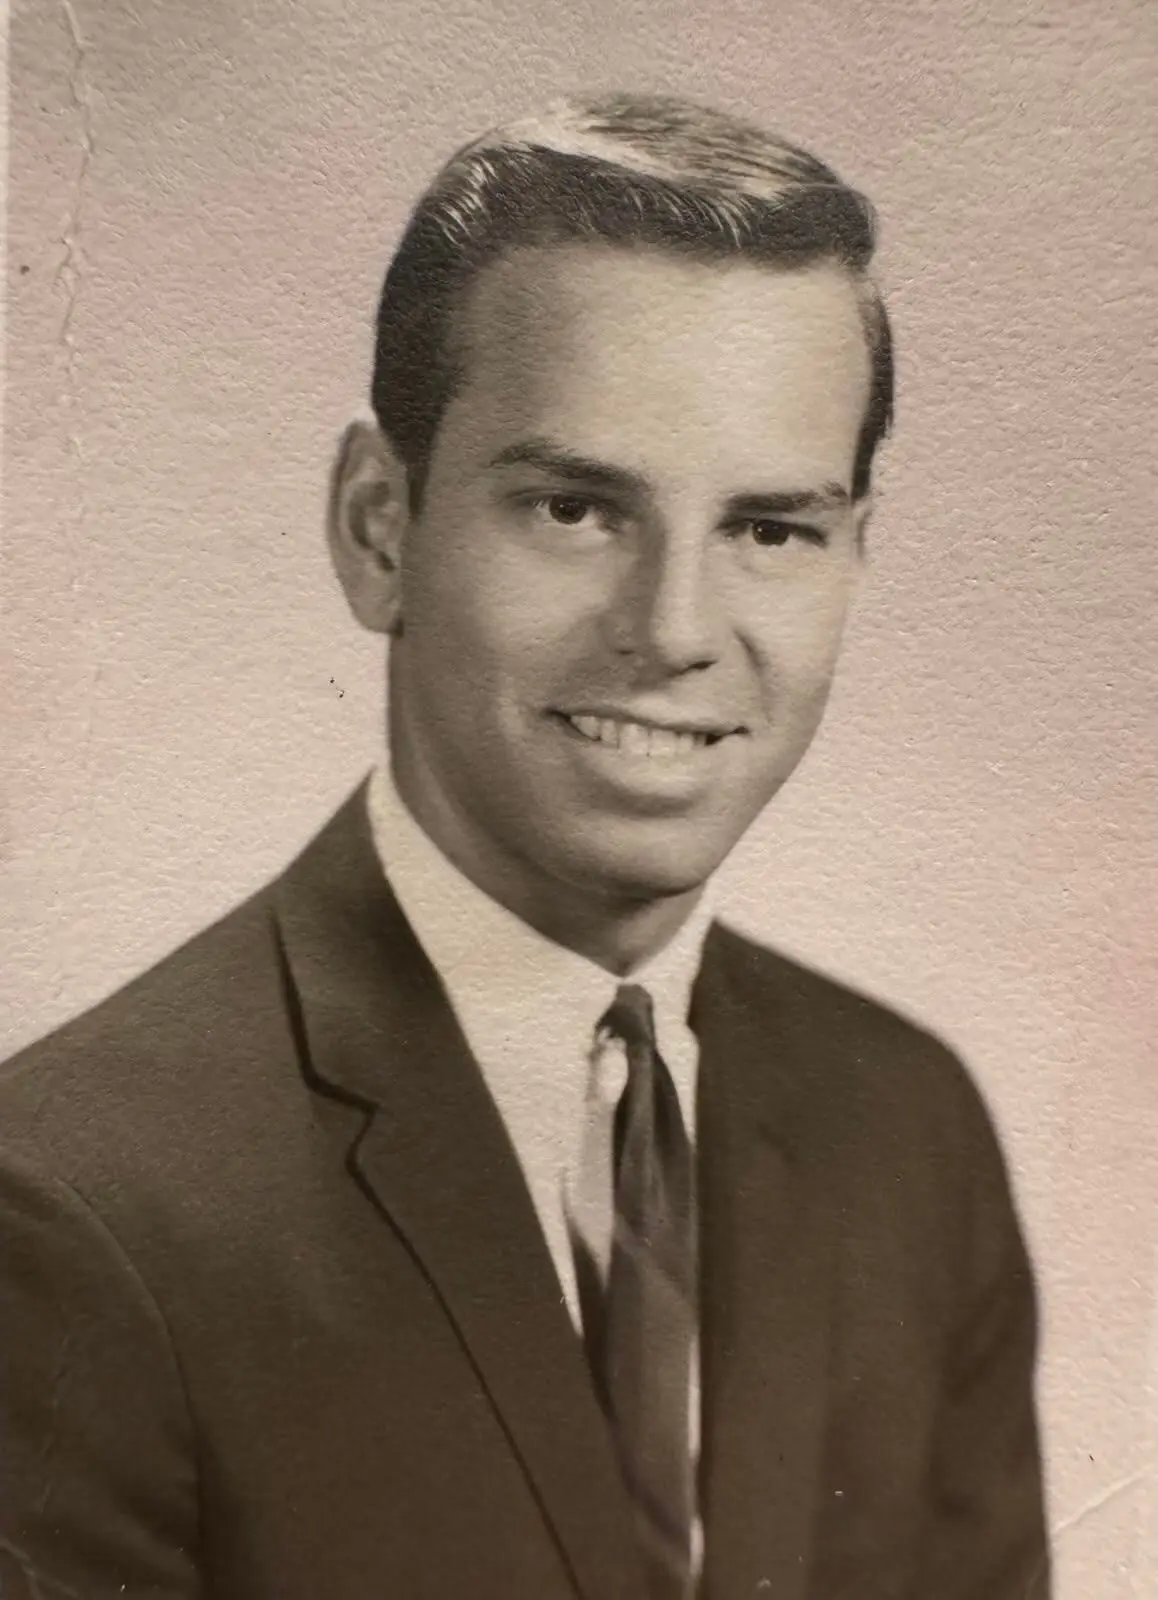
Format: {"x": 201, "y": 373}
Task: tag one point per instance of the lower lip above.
{"x": 677, "y": 776}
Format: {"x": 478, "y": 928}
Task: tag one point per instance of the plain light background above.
{"x": 204, "y": 196}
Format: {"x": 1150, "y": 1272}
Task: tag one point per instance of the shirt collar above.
{"x": 495, "y": 967}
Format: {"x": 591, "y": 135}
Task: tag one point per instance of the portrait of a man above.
{"x": 470, "y": 1211}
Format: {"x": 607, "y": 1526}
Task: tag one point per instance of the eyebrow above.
{"x": 548, "y": 457}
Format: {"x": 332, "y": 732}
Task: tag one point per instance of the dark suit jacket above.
{"x": 278, "y": 1322}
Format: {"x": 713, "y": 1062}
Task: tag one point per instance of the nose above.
{"x": 667, "y": 611}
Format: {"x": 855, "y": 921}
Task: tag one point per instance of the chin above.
{"x": 646, "y": 869}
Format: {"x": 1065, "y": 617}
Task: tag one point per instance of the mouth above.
{"x": 650, "y": 740}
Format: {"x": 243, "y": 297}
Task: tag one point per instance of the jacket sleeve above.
{"x": 97, "y": 1479}
{"x": 985, "y": 1538}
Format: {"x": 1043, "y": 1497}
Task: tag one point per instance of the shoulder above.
{"x": 890, "y": 1113}
{"x": 889, "y": 1073}
{"x": 166, "y": 1064}
{"x": 775, "y": 986}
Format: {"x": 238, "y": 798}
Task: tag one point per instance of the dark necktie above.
{"x": 641, "y": 1330}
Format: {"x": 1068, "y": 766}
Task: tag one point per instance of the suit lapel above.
{"x": 433, "y": 1154}
{"x": 767, "y": 1224}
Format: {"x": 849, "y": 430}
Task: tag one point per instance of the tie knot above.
{"x": 630, "y": 1016}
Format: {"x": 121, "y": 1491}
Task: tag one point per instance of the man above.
{"x": 468, "y": 1214}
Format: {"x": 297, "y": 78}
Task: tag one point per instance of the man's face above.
{"x": 623, "y": 599}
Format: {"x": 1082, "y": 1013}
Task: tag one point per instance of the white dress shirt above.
{"x": 530, "y": 1010}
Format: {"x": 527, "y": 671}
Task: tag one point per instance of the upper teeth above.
{"x": 638, "y": 738}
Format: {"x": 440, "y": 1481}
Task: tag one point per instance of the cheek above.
{"x": 451, "y": 606}
{"x": 488, "y": 628}
{"x": 796, "y": 635}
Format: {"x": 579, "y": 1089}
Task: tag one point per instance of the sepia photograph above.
{"x": 577, "y": 856}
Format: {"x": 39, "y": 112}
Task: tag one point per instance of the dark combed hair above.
{"x": 620, "y": 170}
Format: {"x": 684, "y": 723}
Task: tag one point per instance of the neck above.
{"x": 616, "y": 931}
{"x": 616, "y": 936}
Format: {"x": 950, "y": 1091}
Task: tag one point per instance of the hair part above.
{"x": 622, "y": 170}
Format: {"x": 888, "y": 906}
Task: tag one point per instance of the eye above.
{"x": 771, "y": 533}
{"x": 568, "y": 509}
{"x": 585, "y": 513}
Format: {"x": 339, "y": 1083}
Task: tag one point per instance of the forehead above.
{"x": 612, "y": 347}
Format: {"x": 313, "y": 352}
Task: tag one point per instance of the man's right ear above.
{"x": 368, "y": 515}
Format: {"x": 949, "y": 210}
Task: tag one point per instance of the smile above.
{"x": 646, "y": 739}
